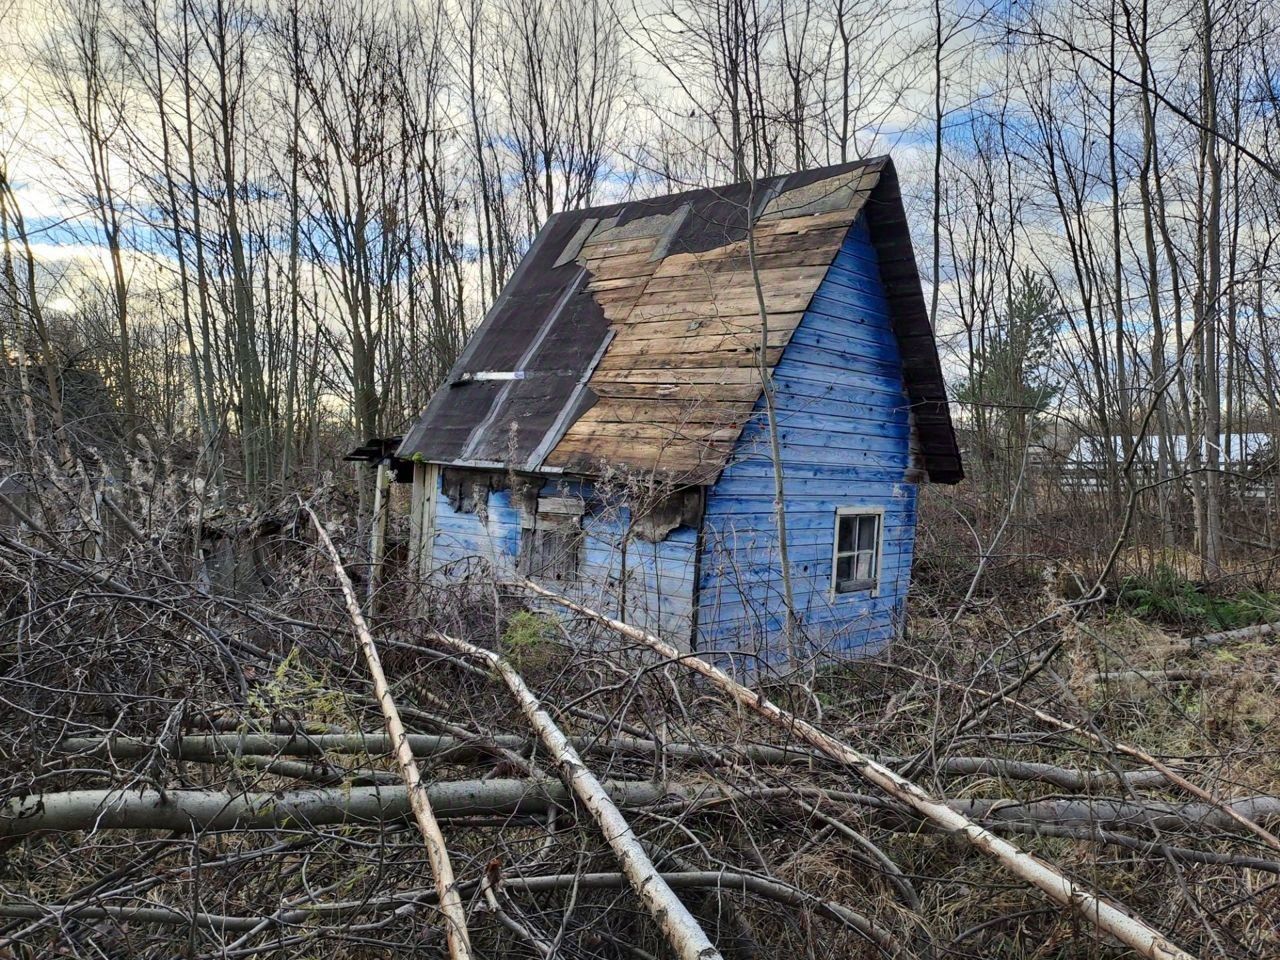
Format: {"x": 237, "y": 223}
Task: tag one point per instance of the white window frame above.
{"x": 872, "y": 587}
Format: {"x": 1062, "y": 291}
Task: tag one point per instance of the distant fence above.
{"x": 1244, "y": 479}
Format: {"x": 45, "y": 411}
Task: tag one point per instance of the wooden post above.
{"x": 378, "y": 529}
{"x": 422, "y": 518}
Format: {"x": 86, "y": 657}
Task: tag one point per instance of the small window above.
{"x": 857, "y": 552}
{"x": 551, "y": 549}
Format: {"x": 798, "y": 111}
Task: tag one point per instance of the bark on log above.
{"x": 149, "y": 809}
{"x": 212, "y": 747}
{"x": 1233, "y": 636}
{"x": 1132, "y": 931}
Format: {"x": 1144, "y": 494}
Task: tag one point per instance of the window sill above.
{"x": 855, "y": 586}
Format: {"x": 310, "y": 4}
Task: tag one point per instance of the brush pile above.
{"x": 199, "y": 771}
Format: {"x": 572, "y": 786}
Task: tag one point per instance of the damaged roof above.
{"x": 628, "y": 335}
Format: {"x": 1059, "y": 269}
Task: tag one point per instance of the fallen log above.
{"x": 685, "y": 935}
{"x": 1240, "y": 635}
{"x": 455, "y": 916}
{"x": 215, "y": 810}
{"x": 1128, "y": 750}
{"x": 207, "y": 810}
{"x": 216, "y": 747}
{"x": 220, "y": 810}
{"x": 682, "y": 931}
{"x": 1105, "y": 916}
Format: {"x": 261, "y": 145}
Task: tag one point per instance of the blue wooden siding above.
{"x": 654, "y": 579}
{"x": 845, "y": 439}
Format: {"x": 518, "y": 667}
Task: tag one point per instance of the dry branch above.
{"x": 1156, "y": 676}
{"x": 1136, "y": 753}
{"x": 1129, "y": 930}
{"x": 442, "y": 868}
{"x": 727, "y": 881}
{"x": 686, "y": 936}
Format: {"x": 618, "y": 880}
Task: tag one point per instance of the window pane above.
{"x": 857, "y": 552}
{"x": 846, "y": 525}
{"x": 867, "y": 533}
{"x": 865, "y": 567}
{"x": 844, "y": 569}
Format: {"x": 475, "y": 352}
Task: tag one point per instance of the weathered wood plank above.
{"x": 670, "y": 359}
{"x": 704, "y": 392}
{"x": 702, "y": 375}
{"x": 671, "y": 411}
{"x": 768, "y": 241}
{"x": 781, "y": 326}
{"x": 712, "y": 285}
{"x": 809, "y": 223}
{"x": 597, "y": 249}
{"x": 685, "y": 464}
{"x": 713, "y": 334}
{"x": 819, "y": 253}
{"x": 744, "y": 311}
{"x": 635, "y": 284}
{"x": 734, "y": 302}
{"x": 627, "y": 265}
{"x": 603, "y": 432}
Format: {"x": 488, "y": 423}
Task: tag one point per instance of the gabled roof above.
{"x": 628, "y": 335}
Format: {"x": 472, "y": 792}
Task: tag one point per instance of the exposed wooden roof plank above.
{"x": 676, "y": 360}
{"x": 694, "y": 392}
{"x": 746, "y": 326}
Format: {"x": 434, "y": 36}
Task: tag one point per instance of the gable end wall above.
{"x": 845, "y": 431}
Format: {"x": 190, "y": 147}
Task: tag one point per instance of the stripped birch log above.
{"x": 1132, "y": 931}
{"x": 686, "y": 936}
{"x": 441, "y": 867}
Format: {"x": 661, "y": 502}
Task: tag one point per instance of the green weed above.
{"x": 1169, "y": 598}
{"x": 527, "y": 641}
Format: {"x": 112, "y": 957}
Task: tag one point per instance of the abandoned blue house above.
{"x": 606, "y": 428}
